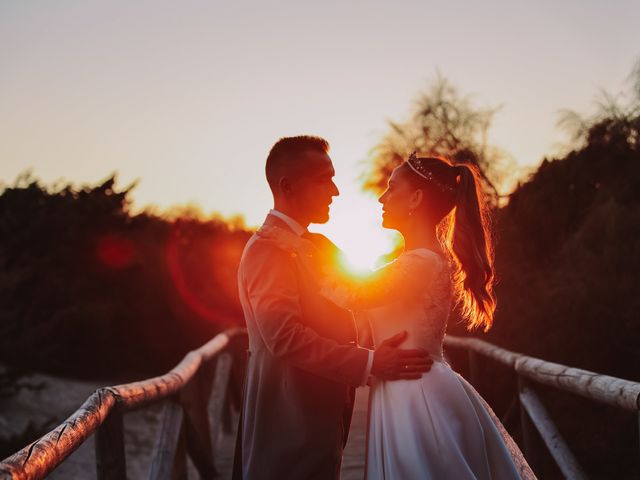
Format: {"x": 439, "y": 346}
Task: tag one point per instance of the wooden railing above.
{"x": 535, "y": 421}
{"x": 186, "y": 426}
{"x": 186, "y": 422}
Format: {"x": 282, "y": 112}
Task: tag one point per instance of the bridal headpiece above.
{"x": 418, "y": 165}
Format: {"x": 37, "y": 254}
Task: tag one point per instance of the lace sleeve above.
{"x": 405, "y": 277}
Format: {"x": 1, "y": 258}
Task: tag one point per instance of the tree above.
{"x": 442, "y": 123}
{"x": 89, "y": 289}
{"x": 567, "y": 257}
{"x": 616, "y": 118}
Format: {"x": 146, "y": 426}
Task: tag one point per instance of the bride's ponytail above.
{"x": 469, "y": 241}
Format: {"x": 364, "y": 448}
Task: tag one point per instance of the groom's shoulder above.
{"x": 263, "y": 249}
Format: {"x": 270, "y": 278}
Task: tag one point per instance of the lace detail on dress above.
{"x": 437, "y": 300}
{"x": 406, "y": 277}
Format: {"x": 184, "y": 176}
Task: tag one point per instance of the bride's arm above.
{"x": 405, "y": 277}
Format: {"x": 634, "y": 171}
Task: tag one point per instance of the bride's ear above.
{"x": 416, "y": 199}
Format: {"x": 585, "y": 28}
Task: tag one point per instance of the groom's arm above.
{"x": 272, "y": 289}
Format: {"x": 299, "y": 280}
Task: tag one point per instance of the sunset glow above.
{"x": 356, "y": 227}
{"x": 189, "y": 98}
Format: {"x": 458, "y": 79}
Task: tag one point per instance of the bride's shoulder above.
{"x": 423, "y": 264}
{"x": 409, "y": 264}
{"x": 422, "y": 258}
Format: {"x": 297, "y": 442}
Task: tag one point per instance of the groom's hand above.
{"x": 392, "y": 363}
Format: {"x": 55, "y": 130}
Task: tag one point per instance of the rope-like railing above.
{"x": 187, "y": 387}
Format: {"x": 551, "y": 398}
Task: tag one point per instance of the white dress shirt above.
{"x": 295, "y": 226}
{"x": 300, "y": 230}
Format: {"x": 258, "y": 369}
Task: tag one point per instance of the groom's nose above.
{"x": 334, "y": 192}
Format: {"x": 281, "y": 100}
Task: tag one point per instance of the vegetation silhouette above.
{"x": 90, "y": 290}
{"x": 442, "y": 122}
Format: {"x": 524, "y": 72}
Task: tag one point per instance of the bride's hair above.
{"x": 455, "y": 202}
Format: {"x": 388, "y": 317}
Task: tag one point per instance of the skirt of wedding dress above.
{"x": 438, "y": 427}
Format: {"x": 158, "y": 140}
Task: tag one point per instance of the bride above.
{"x": 438, "y": 426}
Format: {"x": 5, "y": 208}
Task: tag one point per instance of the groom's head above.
{"x": 300, "y": 174}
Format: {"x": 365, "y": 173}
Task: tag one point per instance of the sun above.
{"x": 355, "y": 226}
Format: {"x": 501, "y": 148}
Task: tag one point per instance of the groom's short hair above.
{"x": 286, "y": 151}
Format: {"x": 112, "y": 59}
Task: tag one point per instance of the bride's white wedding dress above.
{"x": 437, "y": 427}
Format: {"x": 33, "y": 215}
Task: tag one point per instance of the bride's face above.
{"x": 398, "y": 200}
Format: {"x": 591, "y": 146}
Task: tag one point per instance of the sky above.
{"x": 188, "y": 97}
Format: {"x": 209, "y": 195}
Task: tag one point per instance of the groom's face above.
{"x": 313, "y": 187}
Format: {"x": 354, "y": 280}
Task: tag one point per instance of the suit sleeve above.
{"x": 272, "y": 289}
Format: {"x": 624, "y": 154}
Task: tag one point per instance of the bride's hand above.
{"x": 392, "y": 363}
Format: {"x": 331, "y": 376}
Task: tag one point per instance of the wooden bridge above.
{"x": 202, "y": 392}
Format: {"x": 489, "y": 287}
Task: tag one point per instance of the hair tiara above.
{"x": 418, "y": 167}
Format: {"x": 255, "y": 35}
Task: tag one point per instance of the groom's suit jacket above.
{"x": 302, "y": 368}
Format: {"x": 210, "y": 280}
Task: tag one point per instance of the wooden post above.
{"x": 227, "y": 424}
{"x": 550, "y": 435}
{"x": 530, "y": 440}
{"x": 238, "y": 349}
{"x": 109, "y": 447}
{"x": 511, "y": 412}
{"x": 474, "y": 368}
{"x": 219, "y": 394}
{"x": 169, "y": 454}
{"x": 195, "y": 399}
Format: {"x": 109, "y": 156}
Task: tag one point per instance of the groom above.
{"x": 303, "y": 359}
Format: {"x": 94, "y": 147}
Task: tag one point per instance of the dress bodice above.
{"x": 421, "y": 309}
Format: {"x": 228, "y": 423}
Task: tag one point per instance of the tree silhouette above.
{"x": 83, "y": 279}
{"x": 442, "y": 123}
{"x": 567, "y": 257}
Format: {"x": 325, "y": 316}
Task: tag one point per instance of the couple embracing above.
{"x": 308, "y": 329}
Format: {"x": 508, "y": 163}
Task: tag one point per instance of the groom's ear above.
{"x": 285, "y": 185}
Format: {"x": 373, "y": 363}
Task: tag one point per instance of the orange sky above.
{"x": 189, "y": 96}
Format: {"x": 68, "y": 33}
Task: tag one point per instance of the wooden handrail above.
{"x": 605, "y": 389}
{"x": 617, "y": 392}
{"x": 102, "y": 412}
{"x": 39, "y": 458}
{"x": 506, "y": 357}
